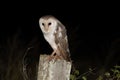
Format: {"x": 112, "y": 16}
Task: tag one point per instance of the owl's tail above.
{"x": 65, "y": 54}
{"x": 68, "y": 58}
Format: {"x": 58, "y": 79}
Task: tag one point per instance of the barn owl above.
{"x": 55, "y": 34}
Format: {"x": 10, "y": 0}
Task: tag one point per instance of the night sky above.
{"x": 92, "y": 31}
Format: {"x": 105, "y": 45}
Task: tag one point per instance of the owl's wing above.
{"x": 62, "y": 41}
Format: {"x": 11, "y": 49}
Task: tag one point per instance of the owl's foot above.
{"x": 49, "y": 58}
{"x": 56, "y": 57}
{"x": 53, "y": 53}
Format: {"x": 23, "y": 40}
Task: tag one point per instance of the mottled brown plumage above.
{"x": 55, "y": 33}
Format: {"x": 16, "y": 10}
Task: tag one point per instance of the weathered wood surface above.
{"x": 53, "y": 70}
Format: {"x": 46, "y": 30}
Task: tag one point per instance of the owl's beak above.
{"x": 46, "y": 28}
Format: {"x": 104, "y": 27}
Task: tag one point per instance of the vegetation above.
{"x": 112, "y": 74}
{"x": 17, "y": 64}
{"x": 16, "y": 60}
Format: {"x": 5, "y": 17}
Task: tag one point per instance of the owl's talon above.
{"x": 49, "y": 58}
{"x": 57, "y": 57}
{"x": 53, "y": 53}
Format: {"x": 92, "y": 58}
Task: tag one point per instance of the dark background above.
{"x": 93, "y": 34}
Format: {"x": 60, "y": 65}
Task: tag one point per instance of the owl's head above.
{"x": 48, "y": 24}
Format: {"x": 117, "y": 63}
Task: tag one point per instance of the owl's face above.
{"x": 47, "y": 25}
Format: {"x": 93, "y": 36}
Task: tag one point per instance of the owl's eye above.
{"x": 43, "y": 24}
{"x": 49, "y": 23}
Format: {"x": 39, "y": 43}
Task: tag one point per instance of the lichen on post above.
{"x": 54, "y": 69}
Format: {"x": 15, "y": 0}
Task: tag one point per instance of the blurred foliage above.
{"x": 13, "y": 59}
{"x": 112, "y": 74}
{"x": 13, "y": 56}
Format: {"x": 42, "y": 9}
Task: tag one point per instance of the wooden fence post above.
{"x": 53, "y": 70}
